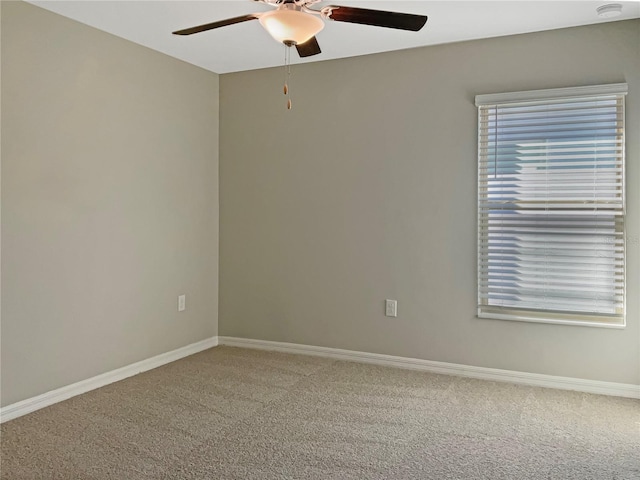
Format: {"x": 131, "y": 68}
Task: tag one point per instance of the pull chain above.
{"x": 287, "y": 74}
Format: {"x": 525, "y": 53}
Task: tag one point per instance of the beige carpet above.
{"x": 231, "y": 413}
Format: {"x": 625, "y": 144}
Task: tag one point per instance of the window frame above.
{"x": 549, "y": 316}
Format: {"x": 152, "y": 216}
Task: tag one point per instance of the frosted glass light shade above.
{"x": 291, "y": 25}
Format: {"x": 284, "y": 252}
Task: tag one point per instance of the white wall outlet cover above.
{"x": 182, "y": 303}
{"x": 391, "y": 308}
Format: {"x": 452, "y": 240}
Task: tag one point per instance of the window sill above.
{"x": 573, "y": 323}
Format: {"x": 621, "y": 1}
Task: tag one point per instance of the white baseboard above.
{"x": 523, "y": 378}
{"x": 32, "y": 404}
{"x": 54, "y": 396}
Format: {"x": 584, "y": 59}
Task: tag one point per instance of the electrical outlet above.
{"x": 182, "y": 303}
{"x": 391, "y": 308}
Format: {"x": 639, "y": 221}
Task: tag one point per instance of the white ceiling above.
{"x": 246, "y": 46}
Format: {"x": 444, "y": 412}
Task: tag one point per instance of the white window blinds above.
{"x": 551, "y": 213}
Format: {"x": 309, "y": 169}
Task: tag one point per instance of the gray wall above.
{"x": 366, "y": 190}
{"x": 109, "y": 202}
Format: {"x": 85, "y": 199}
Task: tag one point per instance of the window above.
{"x": 551, "y": 213}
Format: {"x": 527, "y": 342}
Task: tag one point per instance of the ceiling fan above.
{"x": 294, "y": 23}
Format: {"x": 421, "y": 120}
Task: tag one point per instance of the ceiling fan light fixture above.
{"x": 291, "y": 26}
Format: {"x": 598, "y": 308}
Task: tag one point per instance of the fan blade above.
{"x": 221, "y": 23}
{"x": 309, "y": 48}
{"x": 377, "y": 18}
